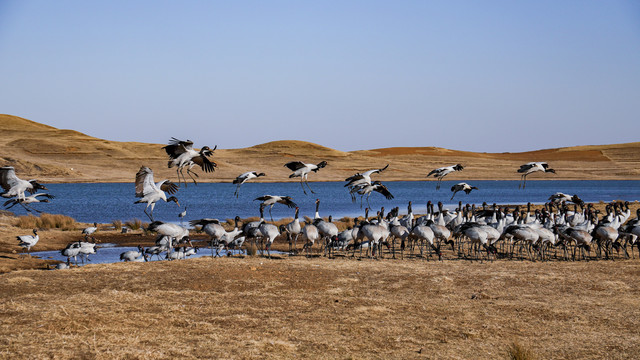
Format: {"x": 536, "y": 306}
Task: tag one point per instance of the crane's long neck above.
{"x": 317, "y": 216}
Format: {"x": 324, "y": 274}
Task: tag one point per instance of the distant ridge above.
{"x": 56, "y": 155}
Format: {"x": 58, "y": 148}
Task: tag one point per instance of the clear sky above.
{"x": 490, "y": 76}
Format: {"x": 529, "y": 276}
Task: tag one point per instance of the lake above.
{"x": 105, "y": 202}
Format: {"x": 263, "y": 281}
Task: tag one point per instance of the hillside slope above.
{"x": 55, "y": 155}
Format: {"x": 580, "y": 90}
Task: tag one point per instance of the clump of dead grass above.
{"x": 117, "y": 224}
{"x": 252, "y": 250}
{"x": 46, "y": 221}
{"x": 517, "y": 351}
{"x": 134, "y": 224}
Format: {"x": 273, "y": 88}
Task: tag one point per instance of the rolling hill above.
{"x": 55, "y": 155}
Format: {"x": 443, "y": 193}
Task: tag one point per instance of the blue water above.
{"x": 104, "y": 203}
{"x": 110, "y": 253}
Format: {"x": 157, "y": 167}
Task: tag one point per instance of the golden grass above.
{"x": 43, "y": 152}
{"x": 320, "y": 308}
{"x": 117, "y": 224}
{"x": 46, "y": 221}
{"x": 516, "y": 351}
{"x": 134, "y": 224}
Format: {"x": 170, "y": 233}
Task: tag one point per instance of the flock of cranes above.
{"x": 556, "y": 226}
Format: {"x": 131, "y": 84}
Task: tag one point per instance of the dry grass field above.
{"x": 297, "y": 307}
{"x": 53, "y": 155}
{"x": 319, "y": 308}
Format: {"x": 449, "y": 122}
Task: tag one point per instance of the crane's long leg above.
{"x": 150, "y": 216}
{"x": 29, "y": 208}
{"x": 438, "y": 184}
{"x": 454, "y": 194}
{"x": 189, "y": 172}
{"x": 237, "y": 189}
{"x": 302, "y": 186}
{"x": 306, "y": 181}
{"x": 270, "y": 207}
{"x": 369, "y": 205}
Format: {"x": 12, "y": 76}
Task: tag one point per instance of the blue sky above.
{"x": 492, "y": 76}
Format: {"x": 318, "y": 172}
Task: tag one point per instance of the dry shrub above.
{"x": 252, "y": 250}
{"x": 516, "y": 351}
{"x": 134, "y": 224}
{"x": 46, "y": 221}
{"x": 117, "y": 224}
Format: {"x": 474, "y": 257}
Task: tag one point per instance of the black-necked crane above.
{"x": 71, "y": 251}
{"x": 229, "y": 237}
{"x": 32, "y": 199}
{"x": 270, "y": 200}
{"x": 172, "y": 231}
{"x": 376, "y": 186}
{"x": 293, "y": 230}
{"x": 212, "y": 228}
{"x": 302, "y": 170}
{"x": 89, "y": 231}
{"x": 183, "y": 155}
{"x": 327, "y": 230}
{"x": 358, "y": 180}
{"x": 14, "y": 186}
{"x": 132, "y": 255}
{"x": 559, "y": 198}
{"x": 444, "y": 171}
{"x": 310, "y": 234}
{"x": 28, "y": 241}
{"x": 269, "y": 233}
{"x": 244, "y": 177}
{"x": 462, "y": 187}
{"x": 183, "y": 214}
{"x": 530, "y": 168}
{"x": 151, "y": 192}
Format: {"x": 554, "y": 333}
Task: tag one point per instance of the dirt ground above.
{"x": 297, "y": 307}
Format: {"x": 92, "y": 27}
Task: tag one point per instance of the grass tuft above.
{"x": 516, "y": 351}
{"x": 117, "y": 224}
{"x": 252, "y": 250}
{"x": 134, "y": 224}
{"x": 46, "y": 221}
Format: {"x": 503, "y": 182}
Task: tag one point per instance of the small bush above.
{"x": 134, "y": 224}
{"x": 518, "y": 352}
{"x": 252, "y": 250}
{"x": 117, "y": 224}
{"x": 46, "y": 221}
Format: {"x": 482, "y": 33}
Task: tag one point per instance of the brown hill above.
{"x": 55, "y": 155}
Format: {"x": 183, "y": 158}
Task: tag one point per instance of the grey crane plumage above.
{"x": 244, "y": 177}
{"x": 302, "y": 170}
{"x": 184, "y": 156}
{"x": 444, "y": 171}
{"x": 530, "y": 168}
{"x": 151, "y": 192}
{"x": 13, "y": 186}
{"x": 32, "y": 199}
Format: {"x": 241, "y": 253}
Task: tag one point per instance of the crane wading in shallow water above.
{"x": 184, "y": 156}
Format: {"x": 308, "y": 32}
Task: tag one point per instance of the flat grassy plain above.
{"x": 295, "y": 307}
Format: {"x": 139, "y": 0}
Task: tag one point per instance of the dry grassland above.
{"x": 320, "y": 308}
{"x": 54, "y": 155}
